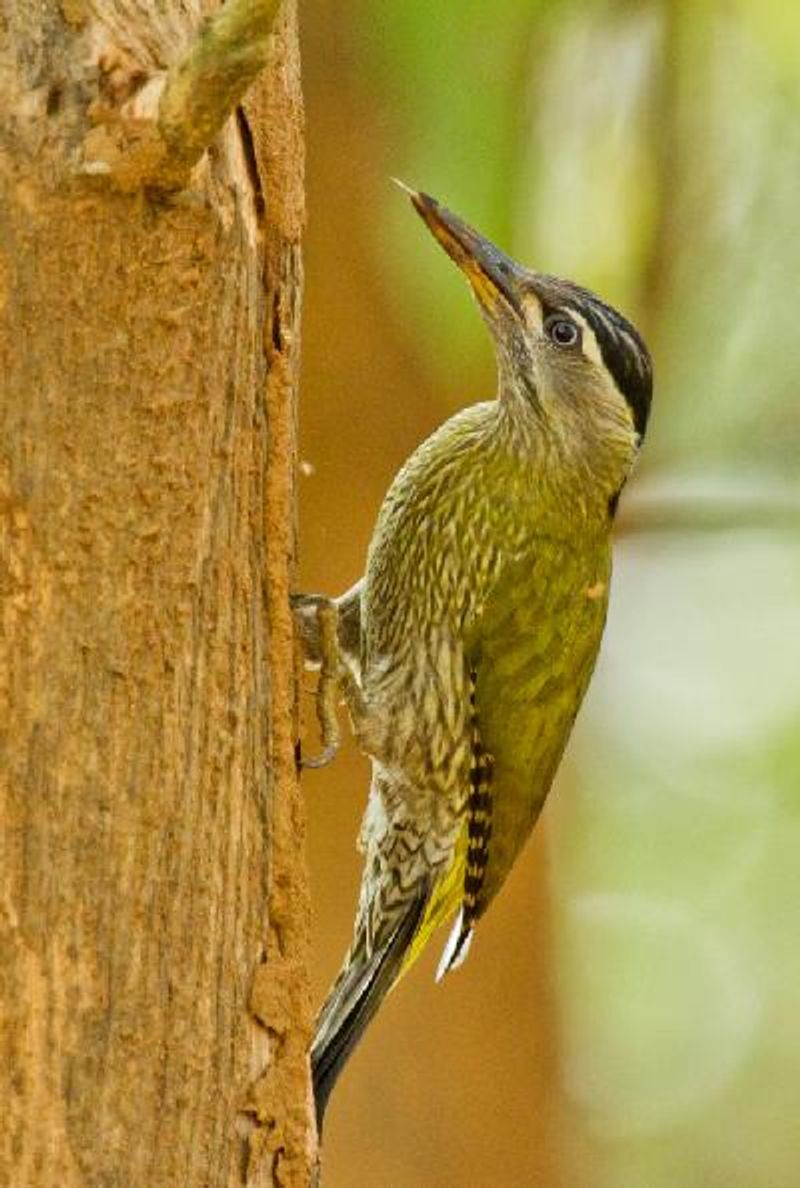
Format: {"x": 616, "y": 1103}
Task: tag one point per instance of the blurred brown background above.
{"x": 628, "y": 1014}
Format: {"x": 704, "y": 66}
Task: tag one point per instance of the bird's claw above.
{"x": 317, "y": 621}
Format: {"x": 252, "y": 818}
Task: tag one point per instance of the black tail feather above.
{"x": 329, "y": 1055}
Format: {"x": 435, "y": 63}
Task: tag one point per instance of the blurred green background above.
{"x": 629, "y": 1016}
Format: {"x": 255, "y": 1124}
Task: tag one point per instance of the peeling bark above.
{"x": 154, "y": 1011}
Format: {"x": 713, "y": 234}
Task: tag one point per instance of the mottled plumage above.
{"x": 468, "y": 646}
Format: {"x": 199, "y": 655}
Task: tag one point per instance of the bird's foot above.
{"x": 317, "y": 622}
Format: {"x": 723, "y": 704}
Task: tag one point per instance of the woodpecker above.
{"x": 465, "y": 651}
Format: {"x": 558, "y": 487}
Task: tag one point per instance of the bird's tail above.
{"x": 366, "y": 978}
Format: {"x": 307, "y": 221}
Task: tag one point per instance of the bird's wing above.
{"x": 533, "y": 651}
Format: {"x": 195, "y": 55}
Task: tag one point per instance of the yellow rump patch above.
{"x": 444, "y": 901}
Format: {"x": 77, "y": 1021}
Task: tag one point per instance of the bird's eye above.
{"x": 562, "y": 331}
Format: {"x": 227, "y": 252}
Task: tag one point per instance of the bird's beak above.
{"x": 494, "y": 277}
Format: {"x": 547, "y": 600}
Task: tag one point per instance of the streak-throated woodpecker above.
{"x": 466, "y": 649}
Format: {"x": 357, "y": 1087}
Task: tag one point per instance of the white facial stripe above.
{"x": 591, "y": 349}
{"x": 590, "y": 345}
{"x": 619, "y": 333}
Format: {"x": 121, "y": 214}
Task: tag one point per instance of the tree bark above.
{"x": 153, "y": 899}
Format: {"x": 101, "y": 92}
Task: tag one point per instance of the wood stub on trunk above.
{"x": 154, "y": 1012}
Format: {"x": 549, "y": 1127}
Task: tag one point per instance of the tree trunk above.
{"x": 153, "y": 900}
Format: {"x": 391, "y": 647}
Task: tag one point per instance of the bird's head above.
{"x": 566, "y": 359}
